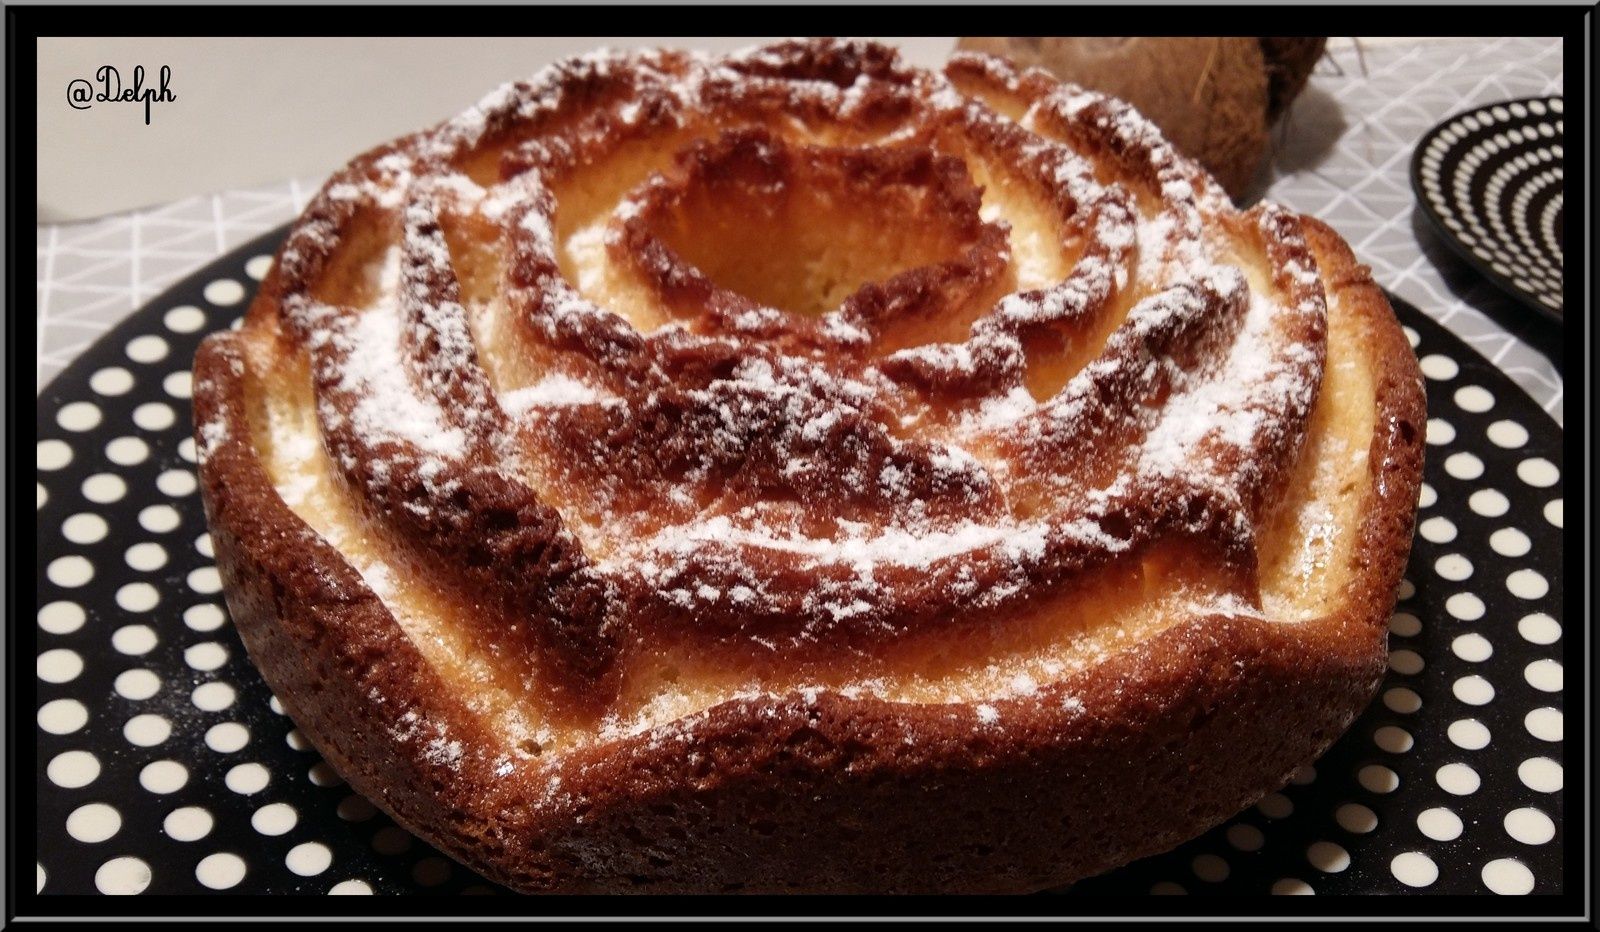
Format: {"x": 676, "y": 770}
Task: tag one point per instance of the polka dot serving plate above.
{"x": 165, "y": 766}
{"x": 1490, "y": 180}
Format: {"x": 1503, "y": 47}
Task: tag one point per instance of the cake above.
{"x": 799, "y": 471}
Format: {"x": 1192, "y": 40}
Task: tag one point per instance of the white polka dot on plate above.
{"x": 51, "y": 455}
{"x": 159, "y": 519}
{"x": 1553, "y": 512}
{"x": 188, "y": 823}
{"x": 146, "y": 557}
{"x": 1245, "y": 837}
{"x": 1376, "y": 778}
{"x": 213, "y": 697}
{"x": 176, "y": 482}
{"x": 1426, "y": 496}
{"x": 1474, "y": 398}
{"x": 134, "y": 640}
{"x": 206, "y": 657}
{"x": 1546, "y": 724}
{"x": 274, "y": 819}
{"x": 112, "y": 382}
{"x": 204, "y": 617}
{"x": 85, "y": 528}
{"x": 247, "y": 779}
{"x": 1529, "y": 826}
{"x": 1402, "y": 700}
{"x": 1465, "y": 606}
{"x": 1356, "y": 818}
{"x": 1440, "y": 824}
{"x": 154, "y": 415}
{"x": 1393, "y": 739}
{"x": 309, "y": 859}
{"x": 127, "y": 451}
{"x": 1538, "y": 472}
{"x": 104, "y": 488}
{"x": 1414, "y": 869}
{"x": 1545, "y": 675}
{"x": 1490, "y": 503}
{"x": 227, "y": 737}
{"x": 1469, "y": 734}
{"x": 1328, "y": 857}
{"x": 186, "y": 449}
{"x": 147, "y": 730}
{"x": 1439, "y": 368}
{"x": 1210, "y": 867}
{"x": 350, "y": 888}
{"x": 431, "y": 872}
{"x": 1510, "y": 542}
{"x": 61, "y": 617}
{"x": 296, "y": 740}
{"x": 1457, "y": 779}
{"x": 59, "y": 665}
{"x": 79, "y": 416}
{"x": 94, "y": 823}
{"x": 1473, "y": 690}
{"x": 73, "y": 770}
{"x": 391, "y": 840}
{"x": 1405, "y": 624}
{"x": 1438, "y": 530}
{"x": 1291, "y": 886}
{"x": 138, "y": 597}
{"x": 205, "y": 580}
{"x": 123, "y": 876}
{"x": 258, "y": 267}
{"x": 163, "y": 776}
{"x": 1541, "y": 774}
{"x": 355, "y": 808}
{"x": 1453, "y": 566}
{"x": 1406, "y": 662}
{"x": 1473, "y": 648}
{"x": 1463, "y": 465}
{"x": 321, "y": 774}
{"x": 1507, "y": 435}
{"x": 1440, "y": 432}
{"x": 1508, "y": 877}
{"x": 220, "y": 871}
{"x": 147, "y": 349}
{"x": 62, "y": 716}
{"x": 1527, "y": 584}
{"x": 178, "y": 384}
{"x": 224, "y": 292}
{"x": 137, "y": 685}
{"x": 185, "y": 318}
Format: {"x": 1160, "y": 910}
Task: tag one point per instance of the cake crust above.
{"x": 818, "y": 791}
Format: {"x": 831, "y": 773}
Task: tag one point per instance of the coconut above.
{"x": 1214, "y": 97}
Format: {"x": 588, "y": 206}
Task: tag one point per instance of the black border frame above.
{"x": 24, "y": 24}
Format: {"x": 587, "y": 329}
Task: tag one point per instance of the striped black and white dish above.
{"x": 1490, "y": 179}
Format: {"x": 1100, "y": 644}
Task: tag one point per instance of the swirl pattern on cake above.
{"x": 663, "y": 390}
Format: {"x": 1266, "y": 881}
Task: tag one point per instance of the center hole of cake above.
{"x": 802, "y": 228}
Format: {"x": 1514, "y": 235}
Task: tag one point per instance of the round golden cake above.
{"x": 797, "y": 471}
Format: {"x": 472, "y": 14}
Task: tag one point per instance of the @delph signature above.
{"x": 81, "y": 93}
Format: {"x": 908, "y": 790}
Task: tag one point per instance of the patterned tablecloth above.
{"x": 1342, "y": 155}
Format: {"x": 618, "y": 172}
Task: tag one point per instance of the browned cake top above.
{"x": 659, "y": 370}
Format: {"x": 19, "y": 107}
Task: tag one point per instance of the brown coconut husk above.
{"x": 1214, "y": 97}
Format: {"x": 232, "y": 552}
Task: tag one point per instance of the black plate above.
{"x": 276, "y": 820}
{"x": 1490, "y": 179}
